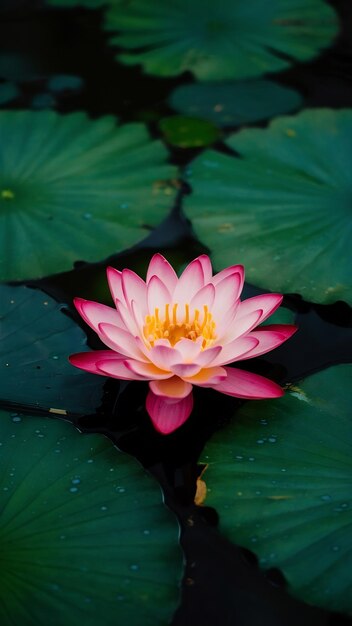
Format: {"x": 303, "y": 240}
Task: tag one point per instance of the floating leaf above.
{"x": 280, "y": 478}
{"x": 219, "y": 40}
{"x": 188, "y": 132}
{"x": 36, "y": 339}
{"x": 72, "y": 188}
{"x": 234, "y": 103}
{"x": 284, "y": 208}
{"x": 84, "y": 536}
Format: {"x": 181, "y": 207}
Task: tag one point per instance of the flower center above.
{"x": 172, "y": 326}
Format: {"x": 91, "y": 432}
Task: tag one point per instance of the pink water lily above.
{"x": 179, "y": 332}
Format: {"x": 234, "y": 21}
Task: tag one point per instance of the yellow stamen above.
{"x": 160, "y": 326}
{"x": 187, "y": 313}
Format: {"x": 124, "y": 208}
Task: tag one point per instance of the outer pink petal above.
{"x": 269, "y": 338}
{"x": 115, "y": 283}
{"x": 148, "y": 371}
{"x": 94, "y": 313}
{"x": 120, "y": 340}
{"x": 166, "y": 416}
{"x": 236, "y": 350}
{"x": 242, "y": 384}
{"x": 173, "y": 387}
{"x": 233, "y": 269}
{"x": 157, "y": 295}
{"x": 226, "y": 294}
{"x": 118, "y": 369}
{"x": 159, "y": 266}
{"x": 205, "y": 296}
{"x": 88, "y": 360}
{"x": 267, "y": 302}
{"x": 190, "y": 281}
{"x": 207, "y": 268}
{"x": 134, "y": 288}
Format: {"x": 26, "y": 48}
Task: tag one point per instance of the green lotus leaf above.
{"x": 73, "y": 188}
{"x": 280, "y": 477}
{"x": 219, "y": 40}
{"x": 283, "y": 208}
{"x": 188, "y": 132}
{"x": 234, "y": 103}
{"x": 36, "y": 340}
{"x": 83, "y": 533}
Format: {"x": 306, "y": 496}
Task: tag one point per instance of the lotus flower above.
{"x": 179, "y": 332}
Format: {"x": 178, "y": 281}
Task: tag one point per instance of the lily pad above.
{"x": 234, "y": 103}
{"x": 219, "y": 40}
{"x": 84, "y": 536}
{"x": 73, "y": 188}
{"x": 188, "y": 132}
{"x": 280, "y": 478}
{"x": 284, "y": 207}
{"x": 36, "y": 339}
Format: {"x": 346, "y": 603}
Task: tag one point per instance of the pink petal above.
{"x": 208, "y": 377}
{"x": 190, "y": 281}
{"x": 233, "y": 269}
{"x": 227, "y": 293}
{"x": 159, "y": 266}
{"x": 115, "y": 283}
{"x": 128, "y": 317}
{"x": 189, "y": 349}
{"x": 94, "y": 313}
{"x": 242, "y": 384}
{"x": 226, "y": 321}
{"x": 207, "y": 268}
{"x": 269, "y": 338}
{"x": 185, "y": 370}
{"x": 167, "y": 417}
{"x": 173, "y": 387}
{"x": 236, "y": 349}
{"x": 88, "y": 360}
{"x": 204, "y": 297}
{"x": 208, "y": 356}
{"x": 138, "y": 318}
{"x": 267, "y": 302}
{"x": 164, "y": 356}
{"x": 120, "y": 340}
{"x": 148, "y": 371}
{"x": 157, "y": 295}
{"x": 134, "y": 288}
{"x": 118, "y": 369}
{"x": 240, "y": 327}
